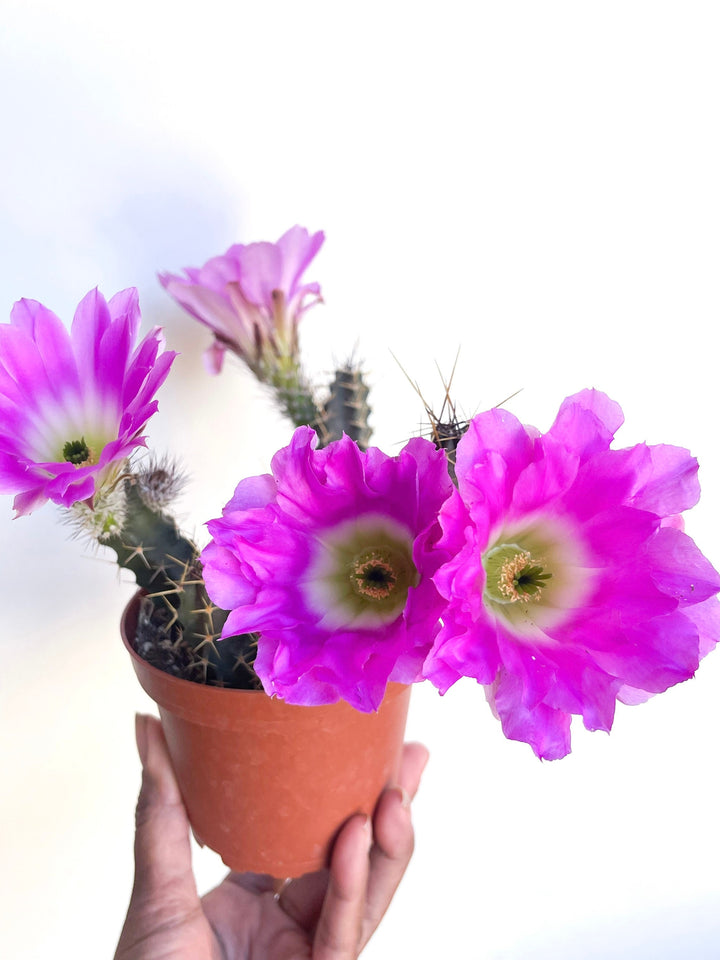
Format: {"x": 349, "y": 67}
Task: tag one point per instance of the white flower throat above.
{"x": 361, "y": 573}
{"x": 536, "y": 574}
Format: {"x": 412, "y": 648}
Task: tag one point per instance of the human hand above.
{"x": 329, "y": 915}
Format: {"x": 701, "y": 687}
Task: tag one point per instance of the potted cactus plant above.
{"x": 75, "y": 407}
{"x": 552, "y": 568}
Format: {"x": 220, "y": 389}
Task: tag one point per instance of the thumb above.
{"x": 164, "y": 899}
{"x": 163, "y": 859}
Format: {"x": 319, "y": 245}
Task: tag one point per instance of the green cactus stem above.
{"x": 346, "y": 409}
{"x": 294, "y": 395}
{"x": 181, "y": 624}
{"x": 446, "y": 436}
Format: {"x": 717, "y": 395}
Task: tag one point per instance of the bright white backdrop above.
{"x": 533, "y": 182}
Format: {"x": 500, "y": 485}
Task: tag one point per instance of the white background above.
{"x": 533, "y": 182}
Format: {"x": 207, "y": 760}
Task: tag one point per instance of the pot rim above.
{"x": 196, "y": 702}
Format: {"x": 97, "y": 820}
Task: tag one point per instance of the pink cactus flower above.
{"x": 571, "y": 584}
{"x": 331, "y": 560}
{"x": 73, "y": 404}
{"x": 252, "y": 298}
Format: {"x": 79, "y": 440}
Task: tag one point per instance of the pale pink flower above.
{"x": 252, "y": 298}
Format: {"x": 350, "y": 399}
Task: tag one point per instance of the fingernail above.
{"x": 416, "y": 743}
{"x": 405, "y": 798}
{"x": 141, "y": 738}
{"x": 367, "y": 829}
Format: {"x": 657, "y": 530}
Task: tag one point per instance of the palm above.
{"x": 249, "y": 920}
{"x": 241, "y": 918}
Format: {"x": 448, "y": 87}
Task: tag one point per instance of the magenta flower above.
{"x": 252, "y": 298}
{"x": 571, "y": 584}
{"x": 73, "y": 404}
{"x": 331, "y": 560}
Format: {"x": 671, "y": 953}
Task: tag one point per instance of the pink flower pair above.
{"x": 556, "y": 574}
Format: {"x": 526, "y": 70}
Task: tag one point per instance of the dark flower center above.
{"x": 76, "y": 451}
{"x": 373, "y": 574}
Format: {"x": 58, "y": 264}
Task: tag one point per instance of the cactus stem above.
{"x": 175, "y": 637}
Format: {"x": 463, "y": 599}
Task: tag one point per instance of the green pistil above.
{"x": 76, "y": 451}
{"x": 512, "y": 574}
{"x": 530, "y": 580}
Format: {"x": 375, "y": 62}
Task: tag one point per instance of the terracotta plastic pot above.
{"x": 267, "y": 785}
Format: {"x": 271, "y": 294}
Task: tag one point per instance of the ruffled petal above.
{"x": 545, "y": 729}
{"x": 679, "y": 569}
{"x": 706, "y": 617}
{"x": 586, "y": 423}
{"x": 673, "y": 484}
